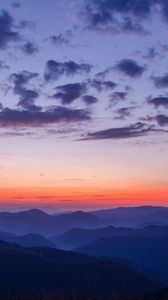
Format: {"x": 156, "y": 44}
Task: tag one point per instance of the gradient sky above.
{"x": 84, "y": 103}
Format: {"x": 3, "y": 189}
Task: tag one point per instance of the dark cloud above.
{"x": 70, "y": 92}
{"x": 123, "y": 16}
{"x": 16, "y": 4}
{"x": 158, "y": 101}
{"x": 62, "y": 38}
{"x": 23, "y": 24}
{"x": 63, "y": 131}
{"x": 129, "y": 25}
{"x": 14, "y": 133}
{"x": 151, "y": 54}
{"x": 89, "y": 99}
{"x": 101, "y": 75}
{"x": 117, "y": 16}
{"x": 29, "y": 118}
{"x": 7, "y": 31}
{"x": 164, "y": 47}
{"x": 164, "y": 8}
{"x": 22, "y": 78}
{"x": 3, "y": 65}
{"x": 124, "y": 112}
{"x": 160, "y": 81}
{"x": 132, "y": 131}
{"x": 29, "y": 48}
{"x": 26, "y": 96}
{"x": 116, "y": 97}
{"x": 130, "y": 68}
{"x": 119, "y": 96}
{"x": 161, "y": 119}
{"x": 100, "y": 85}
{"x": 54, "y": 70}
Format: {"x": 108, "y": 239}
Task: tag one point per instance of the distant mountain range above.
{"x": 37, "y": 221}
{"x": 135, "y": 216}
{"x": 47, "y": 269}
{"x": 27, "y": 240}
{"x": 78, "y": 237}
{"x": 115, "y": 251}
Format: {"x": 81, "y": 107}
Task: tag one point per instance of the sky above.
{"x": 83, "y": 103}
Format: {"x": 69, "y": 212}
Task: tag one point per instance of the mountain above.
{"x": 135, "y": 216}
{"x": 28, "y": 240}
{"x": 78, "y": 219}
{"x": 78, "y": 237}
{"x": 125, "y": 211}
{"x": 37, "y": 221}
{"x": 22, "y": 222}
{"x": 33, "y": 240}
{"x": 48, "y": 269}
{"x": 152, "y": 231}
{"x": 151, "y": 252}
{"x": 6, "y": 235}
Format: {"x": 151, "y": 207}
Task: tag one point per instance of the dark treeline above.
{"x": 28, "y": 295}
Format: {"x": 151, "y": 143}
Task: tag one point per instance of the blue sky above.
{"x": 84, "y": 102}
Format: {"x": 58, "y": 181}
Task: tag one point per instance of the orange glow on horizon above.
{"x": 86, "y": 196}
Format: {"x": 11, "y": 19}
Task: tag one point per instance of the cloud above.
{"x": 22, "y": 78}
{"x": 29, "y": 118}
{"x": 132, "y": 131}
{"x": 117, "y": 16}
{"x": 123, "y": 16}
{"x": 130, "y": 68}
{"x": 164, "y": 8}
{"x": 158, "y": 101}
{"x": 7, "y": 32}
{"x": 23, "y": 24}
{"x": 116, "y": 97}
{"x": 89, "y": 99}
{"x": 16, "y": 4}
{"x": 161, "y": 119}
{"x": 151, "y": 54}
{"x": 100, "y": 85}
{"x": 102, "y": 74}
{"x": 62, "y": 38}
{"x": 124, "y": 112}
{"x": 26, "y": 96}
{"x": 3, "y": 65}
{"x": 160, "y": 81}
{"x": 54, "y": 69}
{"x": 70, "y": 92}
{"x": 63, "y": 131}
{"x": 29, "y": 48}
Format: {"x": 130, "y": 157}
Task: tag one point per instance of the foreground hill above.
{"x": 38, "y": 269}
{"x": 161, "y": 294}
{"x": 79, "y": 237}
{"x": 151, "y": 252}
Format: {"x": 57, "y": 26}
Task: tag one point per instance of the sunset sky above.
{"x": 84, "y": 103}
